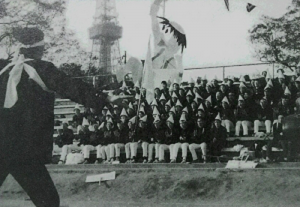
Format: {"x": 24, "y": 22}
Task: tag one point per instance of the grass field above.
{"x": 169, "y": 185}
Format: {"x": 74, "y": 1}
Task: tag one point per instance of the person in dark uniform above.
{"x": 199, "y": 140}
{"x": 27, "y": 114}
{"x": 185, "y": 134}
{"x": 65, "y": 141}
{"x": 172, "y": 137}
{"x": 121, "y": 138}
{"x": 279, "y": 140}
{"x": 218, "y": 135}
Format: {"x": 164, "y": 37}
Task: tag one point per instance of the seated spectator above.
{"x": 198, "y": 140}
{"x": 132, "y": 145}
{"x": 174, "y": 99}
{"x": 215, "y": 85}
{"x": 164, "y": 90}
{"x": 172, "y": 137}
{"x": 231, "y": 88}
{"x": 84, "y": 139}
{"x": 93, "y": 144}
{"x": 223, "y": 89}
{"x": 65, "y": 140}
{"x": 232, "y": 100}
{"x": 184, "y": 138}
{"x": 78, "y": 117}
{"x": 243, "y": 118}
{"x": 218, "y": 135}
{"x": 121, "y": 138}
{"x": 279, "y": 140}
{"x": 130, "y": 110}
{"x": 107, "y": 148}
{"x": 227, "y": 115}
{"x": 116, "y": 113}
{"x": 162, "y": 101}
{"x": 258, "y": 91}
{"x": 218, "y": 103}
{"x": 158, "y": 138}
{"x": 144, "y": 136}
{"x": 264, "y": 117}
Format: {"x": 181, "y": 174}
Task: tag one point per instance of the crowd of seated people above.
{"x": 188, "y": 116}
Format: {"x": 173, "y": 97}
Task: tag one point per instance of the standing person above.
{"x": 27, "y": 117}
{"x": 218, "y": 135}
{"x": 279, "y": 140}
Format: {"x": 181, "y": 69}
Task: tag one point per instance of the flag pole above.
{"x": 139, "y": 103}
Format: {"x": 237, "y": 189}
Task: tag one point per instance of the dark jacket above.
{"x": 159, "y": 135}
{"x": 108, "y": 137}
{"x": 219, "y": 133}
{"x": 144, "y": 134}
{"x": 77, "y": 119}
{"x": 121, "y": 136}
{"x": 200, "y": 135}
{"x": 186, "y": 135}
{"x": 95, "y": 138}
{"x": 84, "y": 138}
{"x": 263, "y": 114}
{"x": 172, "y": 135}
{"x": 26, "y": 129}
{"x": 277, "y": 132}
{"x": 242, "y": 114}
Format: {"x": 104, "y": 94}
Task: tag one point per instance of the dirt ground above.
{"x": 168, "y": 186}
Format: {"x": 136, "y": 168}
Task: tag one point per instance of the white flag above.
{"x": 148, "y": 77}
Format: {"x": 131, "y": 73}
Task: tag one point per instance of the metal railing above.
{"x": 231, "y": 70}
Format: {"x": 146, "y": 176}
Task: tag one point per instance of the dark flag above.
{"x": 227, "y": 4}
{"x": 250, "y": 7}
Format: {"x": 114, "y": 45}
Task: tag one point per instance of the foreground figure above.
{"x": 27, "y": 118}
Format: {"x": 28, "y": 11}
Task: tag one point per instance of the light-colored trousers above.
{"x": 184, "y": 148}
{"x": 193, "y": 148}
{"x": 118, "y": 147}
{"x": 133, "y": 149}
{"x": 66, "y": 149}
{"x": 245, "y": 124}
{"x": 228, "y": 125}
{"x": 145, "y": 148}
{"x": 164, "y": 147}
{"x": 88, "y": 148}
{"x": 106, "y": 152}
{"x": 266, "y": 123}
{"x": 151, "y": 147}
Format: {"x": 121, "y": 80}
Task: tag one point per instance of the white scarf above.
{"x": 19, "y": 64}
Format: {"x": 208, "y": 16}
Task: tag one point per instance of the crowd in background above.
{"x": 189, "y": 115}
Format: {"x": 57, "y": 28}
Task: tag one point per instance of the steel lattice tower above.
{"x": 105, "y": 34}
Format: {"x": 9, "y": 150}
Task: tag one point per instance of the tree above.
{"x": 278, "y": 39}
{"x": 61, "y": 46}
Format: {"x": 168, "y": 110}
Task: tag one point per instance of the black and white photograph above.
{"x": 143, "y": 103}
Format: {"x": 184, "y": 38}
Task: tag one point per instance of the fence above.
{"x": 221, "y": 72}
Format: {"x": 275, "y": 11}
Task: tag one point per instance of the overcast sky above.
{"x": 214, "y": 35}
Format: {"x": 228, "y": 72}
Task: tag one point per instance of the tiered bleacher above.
{"x": 215, "y": 118}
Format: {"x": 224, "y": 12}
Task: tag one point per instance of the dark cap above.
{"x": 28, "y": 35}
